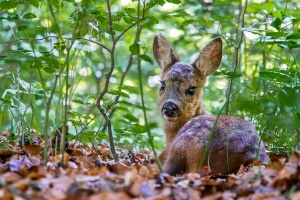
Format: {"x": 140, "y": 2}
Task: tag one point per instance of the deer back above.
{"x": 230, "y": 142}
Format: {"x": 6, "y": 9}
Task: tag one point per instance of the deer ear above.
{"x": 210, "y": 57}
{"x": 163, "y": 52}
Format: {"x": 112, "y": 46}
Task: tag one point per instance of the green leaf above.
{"x": 227, "y": 74}
{"x": 269, "y": 6}
{"x": 134, "y": 105}
{"x": 277, "y": 14}
{"x": 296, "y": 14}
{"x": 254, "y": 7}
{"x": 49, "y": 70}
{"x": 6, "y": 5}
{"x": 174, "y": 1}
{"x": 222, "y": 3}
{"x": 118, "y": 92}
{"x": 29, "y": 16}
{"x": 35, "y": 3}
{"x": 276, "y": 23}
{"x": 275, "y": 76}
{"x": 119, "y": 130}
{"x": 134, "y": 48}
{"x": 160, "y": 2}
{"x": 10, "y": 91}
{"x": 289, "y": 44}
{"x": 4, "y": 100}
{"x": 79, "y": 101}
{"x": 118, "y": 27}
{"x": 288, "y": 96}
{"x": 22, "y": 28}
{"x": 128, "y": 20}
{"x": 121, "y": 108}
{"x": 130, "y": 89}
{"x": 24, "y": 84}
{"x": 137, "y": 129}
{"x": 293, "y": 36}
{"x": 146, "y": 58}
{"x": 130, "y": 117}
{"x": 276, "y": 35}
{"x": 129, "y": 11}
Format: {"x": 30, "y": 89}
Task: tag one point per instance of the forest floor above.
{"x": 92, "y": 174}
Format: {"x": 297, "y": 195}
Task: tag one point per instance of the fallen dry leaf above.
{"x": 110, "y": 196}
{"x": 90, "y": 173}
{"x": 11, "y": 177}
{"x": 33, "y": 150}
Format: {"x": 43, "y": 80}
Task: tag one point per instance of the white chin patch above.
{"x": 171, "y": 119}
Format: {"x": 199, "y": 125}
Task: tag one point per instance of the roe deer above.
{"x": 187, "y": 127}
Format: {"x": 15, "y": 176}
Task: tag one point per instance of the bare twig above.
{"x": 108, "y": 76}
{"x": 129, "y": 27}
{"x": 105, "y": 89}
{"x": 84, "y": 127}
{"x": 129, "y": 64}
{"x": 98, "y": 43}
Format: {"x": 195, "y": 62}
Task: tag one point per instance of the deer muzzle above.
{"x": 170, "y": 109}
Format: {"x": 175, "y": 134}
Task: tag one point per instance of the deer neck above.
{"x": 171, "y": 128}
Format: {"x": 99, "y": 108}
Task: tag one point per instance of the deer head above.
{"x": 180, "y": 93}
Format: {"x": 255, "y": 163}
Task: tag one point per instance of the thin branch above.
{"x": 54, "y": 36}
{"x": 236, "y": 52}
{"x": 98, "y": 43}
{"x": 19, "y": 111}
{"x": 129, "y": 27}
{"x": 84, "y": 127}
{"x": 108, "y": 75}
{"x": 129, "y": 64}
{"x": 110, "y": 22}
{"x": 105, "y": 89}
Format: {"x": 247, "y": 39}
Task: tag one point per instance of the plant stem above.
{"x": 20, "y": 125}
{"x": 130, "y": 61}
{"x": 139, "y": 68}
{"x": 236, "y": 51}
{"x": 105, "y": 89}
{"x": 108, "y": 76}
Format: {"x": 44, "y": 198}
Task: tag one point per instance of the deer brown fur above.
{"x": 188, "y": 128}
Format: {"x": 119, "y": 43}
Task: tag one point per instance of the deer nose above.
{"x": 170, "y": 109}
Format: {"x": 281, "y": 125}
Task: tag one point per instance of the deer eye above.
{"x": 190, "y": 91}
{"x": 162, "y": 86}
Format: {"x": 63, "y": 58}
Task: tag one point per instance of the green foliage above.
{"x": 40, "y": 40}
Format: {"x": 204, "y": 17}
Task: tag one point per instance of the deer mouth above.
{"x": 170, "y": 119}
